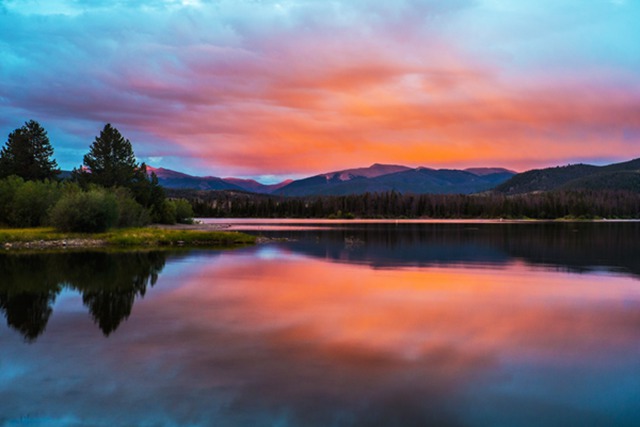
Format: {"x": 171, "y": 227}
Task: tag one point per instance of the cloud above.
{"x": 248, "y": 87}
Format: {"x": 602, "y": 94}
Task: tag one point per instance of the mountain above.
{"x": 381, "y": 178}
{"x": 489, "y": 171}
{"x": 372, "y": 171}
{"x": 171, "y": 179}
{"x": 255, "y": 187}
{"x": 617, "y": 176}
{"x": 375, "y": 178}
{"x": 328, "y": 183}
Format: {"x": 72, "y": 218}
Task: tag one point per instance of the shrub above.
{"x": 166, "y": 213}
{"x": 93, "y": 211}
{"x": 8, "y": 189}
{"x": 26, "y": 204}
{"x": 32, "y": 202}
{"x": 130, "y": 212}
{"x": 184, "y": 211}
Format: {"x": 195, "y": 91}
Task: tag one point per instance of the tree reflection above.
{"x": 109, "y": 284}
{"x": 574, "y": 246}
{"x": 27, "y": 312}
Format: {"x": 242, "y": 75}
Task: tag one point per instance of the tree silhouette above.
{"x": 28, "y": 312}
{"x": 110, "y": 161}
{"x": 28, "y": 153}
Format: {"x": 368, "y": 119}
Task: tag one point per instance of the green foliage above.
{"x": 164, "y": 237}
{"x": 165, "y": 213}
{"x": 110, "y": 161}
{"x": 32, "y": 202}
{"x": 131, "y": 237}
{"x": 8, "y": 189}
{"x": 92, "y": 211}
{"x": 184, "y": 211}
{"x": 150, "y": 194}
{"x": 545, "y": 205}
{"x": 26, "y": 204}
{"x": 28, "y": 153}
{"x": 12, "y": 235}
{"x": 130, "y": 212}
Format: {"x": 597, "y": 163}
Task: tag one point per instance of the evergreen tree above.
{"x": 28, "y": 153}
{"x": 110, "y": 161}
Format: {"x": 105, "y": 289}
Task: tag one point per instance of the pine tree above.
{"x": 28, "y": 153}
{"x": 110, "y": 161}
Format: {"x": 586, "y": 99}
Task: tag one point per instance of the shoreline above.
{"x": 225, "y": 223}
{"x": 260, "y": 224}
{"x": 215, "y": 232}
{"x": 147, "y": 237}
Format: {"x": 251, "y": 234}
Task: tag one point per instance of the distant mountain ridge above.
{"x": 375, "y": 178}
{"x": 255, "y": 186}
{"x": 616, "y": 176}
{"x": 382, "y": 178}
{"x": 422, "y": 180}
{"x": 171, "y": 179}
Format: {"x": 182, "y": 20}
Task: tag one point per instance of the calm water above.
{"x": 343, "y": 324}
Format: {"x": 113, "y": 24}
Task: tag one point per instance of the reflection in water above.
{"x": 28, "y": 312}
{"x": 572, "y": 246}
{"x": 280, "y": 335}
{"x": 109, "y": 284}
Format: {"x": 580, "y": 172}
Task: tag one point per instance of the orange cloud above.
{"x": 344, "y": 111}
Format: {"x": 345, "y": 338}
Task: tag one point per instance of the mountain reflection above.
{"x": 108, "y": 282}
{"x": 493, "y": 332}
{"x": 574, "y": 246}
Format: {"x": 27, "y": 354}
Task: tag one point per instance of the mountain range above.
{"x": 375, "y": 178}
{"x": 403, "y": 179}
{"x": 171, "y": 179}
{"x": 617, "y": 176}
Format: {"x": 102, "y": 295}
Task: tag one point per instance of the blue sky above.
{"x": 273, "y": 89}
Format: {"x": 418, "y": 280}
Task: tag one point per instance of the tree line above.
{"x": 109, "y": 189}
{"x": 575, "y": 204}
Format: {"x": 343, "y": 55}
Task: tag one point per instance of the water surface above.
{"x": 343, "y": 324}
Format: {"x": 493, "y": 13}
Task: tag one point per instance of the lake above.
{"x": 397, "y": 323}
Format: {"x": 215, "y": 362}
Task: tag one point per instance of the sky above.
{"x": 272, "y": 89}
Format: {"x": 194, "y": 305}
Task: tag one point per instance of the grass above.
{"x": 128, "y": 237}
{"x": 12, "y": 235}
{"x": 165, "y": 237}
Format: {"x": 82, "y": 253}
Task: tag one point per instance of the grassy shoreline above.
{"x": 44, "y": 238}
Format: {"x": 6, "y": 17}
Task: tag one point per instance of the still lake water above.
{"x": 343, "y": 324}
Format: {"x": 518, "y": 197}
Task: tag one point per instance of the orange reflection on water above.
{"x": 343, "y": 310}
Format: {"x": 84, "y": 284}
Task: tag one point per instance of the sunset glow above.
{"x": 299, "y": 87}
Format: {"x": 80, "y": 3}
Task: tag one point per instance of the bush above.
{"x": 184, "y": 211}
{"x": 93, "y": 211}
{"x": 8, "y": 189}
{"x": 32, "y": 202}
{"x": 130, "y": 212}
{"x": 26, "y": 204}
{"x": 166, "y": 214}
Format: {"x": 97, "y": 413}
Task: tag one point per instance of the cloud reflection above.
{"x": 289, "y": 340}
